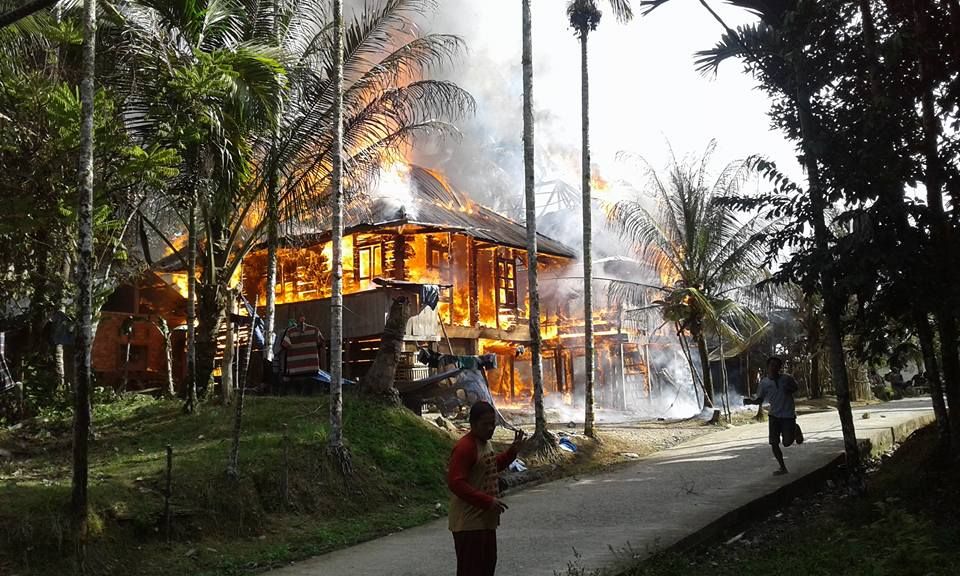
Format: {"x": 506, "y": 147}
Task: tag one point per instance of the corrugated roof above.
{"x": 430, "y": 204}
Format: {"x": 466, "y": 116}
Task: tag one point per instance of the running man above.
{"x": 778, "y": 389}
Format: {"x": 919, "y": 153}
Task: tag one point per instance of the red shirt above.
{"x": 463, "y": 460}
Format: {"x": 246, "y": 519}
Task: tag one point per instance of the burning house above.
{"x": 415, "y": 228}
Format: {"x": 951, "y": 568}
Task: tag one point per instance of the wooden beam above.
{"x": 474, "y": 281}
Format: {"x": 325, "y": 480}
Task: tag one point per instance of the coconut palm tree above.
{"x": 775, "y": 48}
{"x": 542, "y": 442}
{"x": 202, "y": 82}
{"x": 335, "y": 445}
{"x": 85, "y": 282}
{"x": 584, "y": 17}
{"x": 385, "y": 106}
{"x": 704, "y": 260}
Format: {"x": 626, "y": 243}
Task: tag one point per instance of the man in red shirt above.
{"x": 475, "y": 506}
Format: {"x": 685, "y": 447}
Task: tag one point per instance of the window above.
{"x": 369, "y": 262}
{"x": 438, "y": 255}
{"x": 507, "y": 283}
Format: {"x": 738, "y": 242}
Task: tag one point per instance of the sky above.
{"x": 645, "y": 93}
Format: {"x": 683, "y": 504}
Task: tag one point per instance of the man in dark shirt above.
{"x": 778, "y": 389}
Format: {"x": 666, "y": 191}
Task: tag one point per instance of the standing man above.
{"x": 778, "y": 389}
{"x": 475, "y": 506}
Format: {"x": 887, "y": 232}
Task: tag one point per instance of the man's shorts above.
{"x": 785, "y": 428}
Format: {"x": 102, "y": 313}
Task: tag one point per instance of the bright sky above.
{"x": 644, "y": 88}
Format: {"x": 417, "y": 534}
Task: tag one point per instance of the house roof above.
{"x": 419, "y": 200}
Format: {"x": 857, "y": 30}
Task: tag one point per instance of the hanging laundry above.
{"x": 430, "y": 295}
{"x": 302, "y": 345}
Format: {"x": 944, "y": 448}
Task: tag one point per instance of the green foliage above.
{"x": 704, "y": 261}
{"x": 398, "y": 464}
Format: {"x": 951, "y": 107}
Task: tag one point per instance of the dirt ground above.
{"x": 621, "y": 438}
{"x": 617, "y": 443}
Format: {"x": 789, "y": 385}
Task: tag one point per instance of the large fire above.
{"x": 483, "y": 288}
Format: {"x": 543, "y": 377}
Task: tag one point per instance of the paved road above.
{"x": 653, "y": 503}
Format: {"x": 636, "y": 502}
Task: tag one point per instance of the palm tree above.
{"x": 385, "y": 106}
{"x": 772, "y": 47}
{"x": 584, "y": 17}
{"x": 542, "y": 442}
{"x": 705, "y": 261}
{"x": 204, "y": 85}
{"x": 336, "y": 447}
{"x": 85, "y": 266}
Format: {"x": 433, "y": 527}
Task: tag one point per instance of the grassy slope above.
{"x": 220, "y": 527}
{"x": 907, "y": 525}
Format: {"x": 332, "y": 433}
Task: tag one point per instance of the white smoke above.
{"x": 392, "y": 197}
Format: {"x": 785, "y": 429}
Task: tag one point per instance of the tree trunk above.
{"x": 832, "y": 301}
{"x": 697, "y": 381}
{"x": 816, "y": 380}
{"x": 919, "y": 306}
{"x": 726, "y": 383}
{"x": 59, "y": 354}
{"x": 705, "y": 368}
{"x": 233, "y": 464}
{"x": 941, "y": 233}
{"x": 85, "y": 265}
{"x": 226, "y": 365}
{"x": 164, "y": 329}
{"x": 932, "y": 370}
{"x": 191, "y": 403}
{"x": 212, "y": 306}
{"x": 543, "y": 441}
{"x": 273, "y": 241}
{"x": 383, "y": 371}
{"x": 336, "y": 447}
{"x": 588, "y": 350}
{"x": 126, "y": 366}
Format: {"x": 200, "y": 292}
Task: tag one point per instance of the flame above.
{"x": 179, "y": 242}
{"x": 598, "y": 183}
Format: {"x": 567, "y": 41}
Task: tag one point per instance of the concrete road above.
{"x": 644, "y": 507}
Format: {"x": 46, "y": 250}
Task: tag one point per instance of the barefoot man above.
{"x": 778, "y": 390}
{"x": 475, "y": 506}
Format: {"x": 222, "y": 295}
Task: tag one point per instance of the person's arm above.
{"x": 505, "y": 458}
{"x": 790, "y": 385}
{"x": 761, "y": 393}
{"x": 462, "y": 460}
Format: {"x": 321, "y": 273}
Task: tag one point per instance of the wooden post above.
{"x": 168, "y": 494}
{"x": 749, "y": 376}
{"x": 285, "y": 478}
{"x": 650, "y": 371}
{"x": 450, "y": 278}
{"x": 496, "y": 285}
{"x": 474, "y": 283}
{"x": 620, "y": 371}
{"x": 560, "y": 369}
{"x": 400, "y": 257}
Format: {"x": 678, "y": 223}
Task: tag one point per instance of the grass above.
{"x": 905, "y": 526}
{"x": 220, "y": 526}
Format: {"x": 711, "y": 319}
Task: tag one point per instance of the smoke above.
{"x": 487, "y": 162}
{"x": 393, "y": 198}
{"x": 644, "y": 90}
